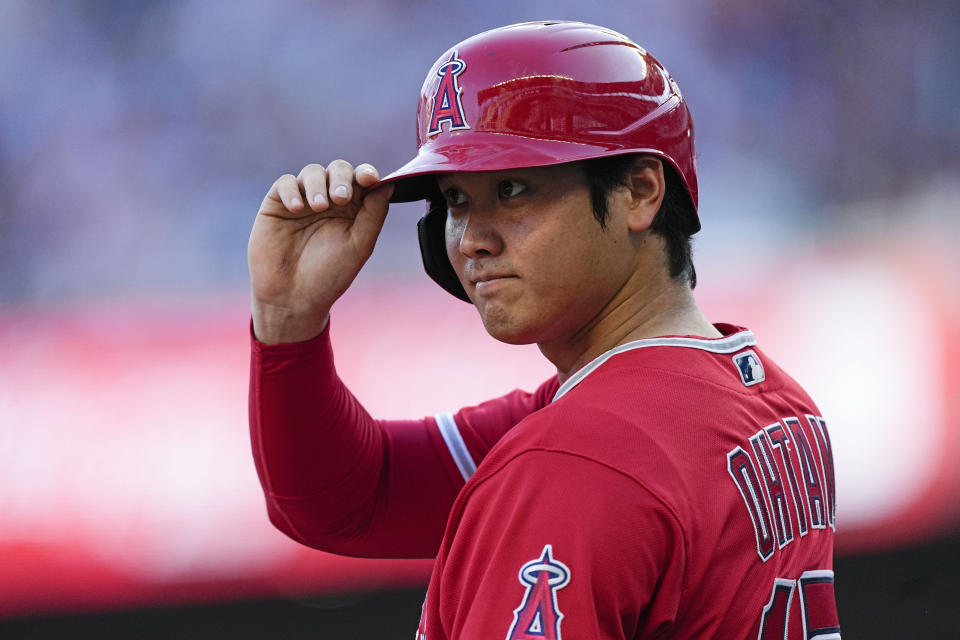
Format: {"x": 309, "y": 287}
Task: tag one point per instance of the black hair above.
{"x": 674, "y": 222}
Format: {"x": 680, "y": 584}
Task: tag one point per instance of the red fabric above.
{"x": 625, "y": 478}
{"x": 338, "y": 480}
{"x": 612, "y": 512}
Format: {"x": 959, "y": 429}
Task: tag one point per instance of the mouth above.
{"x": 489, "y": 281}
{"x": 487, "y": 277}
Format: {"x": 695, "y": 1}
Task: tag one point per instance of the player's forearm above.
{"x": 336, "y": 479}
{"x": 307, "y": 431}
{"x": 333, "y": 477}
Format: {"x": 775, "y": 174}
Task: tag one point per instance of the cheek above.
{"x": 583, "y": 271}
{"x": 453, "y": 231}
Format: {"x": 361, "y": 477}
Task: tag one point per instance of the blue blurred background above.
{"x": 138, "y": 138}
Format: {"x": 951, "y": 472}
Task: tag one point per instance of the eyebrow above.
{"x": 440, "y": 183}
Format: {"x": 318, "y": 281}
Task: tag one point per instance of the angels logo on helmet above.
{"x": 446, "y": 101}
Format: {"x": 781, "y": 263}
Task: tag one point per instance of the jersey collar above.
{"x": 727, "y": 344}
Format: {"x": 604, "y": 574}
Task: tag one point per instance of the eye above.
{"x": 454, "y": 197}
{"x": 510, "y": 188}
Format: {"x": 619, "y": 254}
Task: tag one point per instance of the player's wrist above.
{"x": 282, "y": 325}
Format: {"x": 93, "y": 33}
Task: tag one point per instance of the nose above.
{"x": 475, "y": 233}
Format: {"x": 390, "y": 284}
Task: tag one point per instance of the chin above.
{"x": 509, "y": 330}
{"x": 510, "y": 338}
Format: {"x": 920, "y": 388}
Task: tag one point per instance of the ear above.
{"x": 646, "y": 187}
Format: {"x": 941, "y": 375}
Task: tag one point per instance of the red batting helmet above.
{"x": 534, "y": 94}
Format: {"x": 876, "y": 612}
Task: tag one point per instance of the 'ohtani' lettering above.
{"x": 788, "y": 455}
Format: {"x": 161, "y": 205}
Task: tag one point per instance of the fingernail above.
{"x": 340, "y": 191}
{"x": 318, "y": 199}
{"x": 296, "y": 202}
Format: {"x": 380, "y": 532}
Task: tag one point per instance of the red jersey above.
{"x": 674, "y": 487}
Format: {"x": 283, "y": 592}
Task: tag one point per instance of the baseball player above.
{"x": 670, "y": 481}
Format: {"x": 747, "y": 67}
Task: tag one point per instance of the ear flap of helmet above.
{"x": 433, "y": 250}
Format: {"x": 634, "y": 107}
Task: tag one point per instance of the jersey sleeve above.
{"x": 336, "y": 479}
{"x": 557, "y": 545}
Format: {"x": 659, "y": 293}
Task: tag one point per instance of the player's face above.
{"x": 529, "y": 253}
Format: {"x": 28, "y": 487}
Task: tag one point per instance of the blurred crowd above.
{"x": 137, "y": 138}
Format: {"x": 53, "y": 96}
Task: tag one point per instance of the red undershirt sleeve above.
{"x": 336, "y": 479}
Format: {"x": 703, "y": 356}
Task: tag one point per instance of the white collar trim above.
{"x": 728, "y": 344}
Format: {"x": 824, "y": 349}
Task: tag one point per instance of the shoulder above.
{"x": 606, "y": 446}
{"x": 625, "y": 551}
{"x": 550, "y": 488}
{"x": 517, "y": 404}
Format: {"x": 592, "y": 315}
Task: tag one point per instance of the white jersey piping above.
{"x": 729, "y": 344}
{"x": 455, "y": 445}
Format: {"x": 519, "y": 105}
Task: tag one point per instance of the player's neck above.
{"x": 644, "y": 308}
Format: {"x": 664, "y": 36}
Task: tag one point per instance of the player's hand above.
{"x": 311, "y": 236}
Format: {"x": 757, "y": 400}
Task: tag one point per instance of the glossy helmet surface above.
{"x": 535, "y": 94}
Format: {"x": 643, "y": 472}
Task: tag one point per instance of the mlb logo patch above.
{"x": 750, "y": 368}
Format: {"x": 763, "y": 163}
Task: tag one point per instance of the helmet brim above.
{"x": 483, "y": 151}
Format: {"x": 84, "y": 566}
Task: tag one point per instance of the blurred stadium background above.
{"x": 138, "y": 138}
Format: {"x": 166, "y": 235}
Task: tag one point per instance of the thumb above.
{"x": 369, "y": 221}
